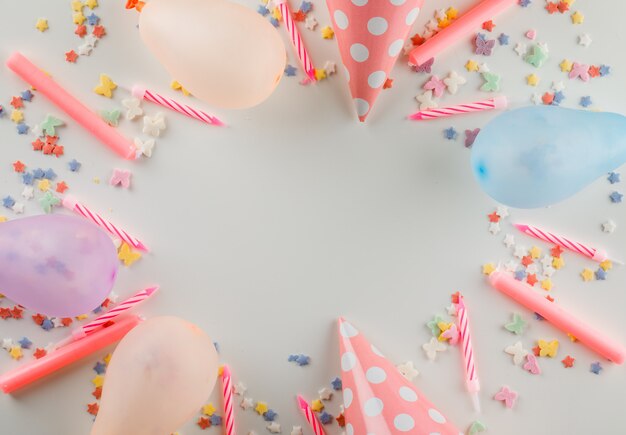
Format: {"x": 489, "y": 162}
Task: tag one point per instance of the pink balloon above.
{"x": 160, "y": 375}
{"x": 223, "y": 53}
{"x": 56, "y": 265}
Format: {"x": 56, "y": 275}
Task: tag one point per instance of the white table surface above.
{"x": 264, "y": 232}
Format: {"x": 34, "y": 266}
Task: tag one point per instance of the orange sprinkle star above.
{"x": 71, "y": 56}
{"x": 527, "y": 260}
{"x": 16, "y": 312}
{"x": 204, "y": 423}
{"x": 5, "y": 313}
{"x": 97, "y": 393}
{"x": 99, "y": 31}
{"x": 547, "y": 98}
{"x": 552, "y": 7}
{"x": 531, "y": 279}
{"x": 488, "y": 25}
{"x": 299, "y": 16}
{"x": 417, "y": 39}
{"x": 81, "y": 30}
{"x": 494, "y": 217}
{"x": 18, "y": 166}
{"x": 388, "y": 84}
{"x": 568, "y": 362}
{"x": 39, "y": 353}
{"x": 93, "y": 408}
{"x": 556, "y": 251}
{"x": 594, "y": 71}
{"x": 61, "y": 187}
{"x": 17, "y": 102}
{"x": 38, "y": 319}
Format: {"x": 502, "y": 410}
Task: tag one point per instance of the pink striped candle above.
{"x": 310, "y": 416}
{"x": 100, "y": 321}
{"x": 499, "y": 102}
{"x": 227, "y": 394}
{"x": 296, "y": 39}
{"x": 563, "y": 242}
{"x": 145, "y": 94}
{"x": 471, "y": 377}
{"x": 71, "y": 203}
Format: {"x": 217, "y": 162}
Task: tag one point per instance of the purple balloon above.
{"x": 56, "y": 265}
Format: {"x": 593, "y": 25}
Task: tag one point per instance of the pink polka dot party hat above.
{"x": 377, "y": 398}
{"x": 371, "y": 35}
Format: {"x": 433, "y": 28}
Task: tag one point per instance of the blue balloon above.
{"x": 540, "y": 155}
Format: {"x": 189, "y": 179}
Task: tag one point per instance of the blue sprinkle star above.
{"x": 8, "y": 202}
{"x": 481, "y": 36}
{"x": 274, "y": 22}
{"x": 326, "y": 418}
{"x": 450, "y": 133}
{"x": 25, "y": 343}
{"x": 47, "y": 324}
{"x": 292, "y": 358}
{"x": 290, "y": 70}
{"x": 263, "y": 10}
{"x": 337, "y": 384}
{"x": 27, "y": 95}
{"x": 216, "y": 420}
{"x": 503, "y": 39}
{"x": 74, "y": 165}
{"x": 520, "y": 274}
{"x": 616, "y": 197}
{"x": 93, "y": 19}
{"x": 303, "y": 360}
{"x": 596, "y": 368}
{"x": 605, "y": 70}
{"x": 558, "y": 98}
{"x": 306, "y": 7}
{"x": 600, "y": 274}
{"x": 524, "y": 3}
{"x": 269, "y": 415}
{"x": 38, "y": 174}
{"x": 50, "y": 174}
{"x": 27, "y": 178}
{"x": 22, "y": 128}
{"x": 100, "y": 368}
{"x": 585, "y": 101}
{"x": 613, "y": 177}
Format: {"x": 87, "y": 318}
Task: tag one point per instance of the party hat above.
{"x": 371, "y": 35}
{"x": 377, "y": 398}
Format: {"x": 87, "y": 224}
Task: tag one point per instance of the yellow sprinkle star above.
{"x": 546, "y": 284}
{"x": 566, "y": 65}
{"x": 328, "y": 33}
{"x": 17, "y": 116}
{"x": 317, "y": 405}
{"x": 107, "y": 359}
{"x": 535, "y": 252}
{"x": 558, "y": 262}
{"x": 471, "y": 65}
{"x": 16, "y": 352}
{"x": 98, "y": 381}
{"x": 532, "y": 80}
{"x": 451, "y": 13}
{"x": 43, "y": 185}
{"x": 606, "y": 265}
{"x": 577, "y": 18}
{"x": 77, "y": 6}
{"x": 82, "y": 317}
{"x": 127, "y": 255}
{"x": 548, "y": 348}
{"x": 488, "y": 268}
{"x": 91, "y": 4}
{"x": 42, "y": 24}
{"x": 78, "y": 18}
{"x": 320, "y": 74}
{"x": 208, "y": 409}
{"x": 442, "y": 24}
{"x": 276, "y": 14}
{"x": 261, "y": 408}
{"x": 586, "y": 275}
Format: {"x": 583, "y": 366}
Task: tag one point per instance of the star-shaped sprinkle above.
{"x": 317, "y": 405}
{"x": 568, "y": 362}
{"x": 328, "y": 33}
{"x": 261, "y": 408}
{"x": 273, "y": 427}
{"x": 296, "y": 430}
{"x": 270, "y": 415}
{"x": 613, "y": 177}
{"x": 71, "y": 56}
{"x": 488, "y": 268}
{"x": 509, "y": 240}
{"x": 609, "y": 226}
{"x": 494, "y": 228}
{"x": 290, "y": 70}
{"x": 310, "y": 23}
{"x": 566, "y": 65}
{"x": 596, "y": 368}
{"x": 517, "y": 325}
{"x": 407, "y": 370}
{"x": 42, "y": 24}
{"x": 507, "y": 396}
{"x": 246, "y": 403}
{"x": 577, "y": 18}
{"x": 471, "y": 66}
{"x": 325, "y": 393}
{"x": 616, "y": 197}
{"x": 546, "y": 284}
{"x": 532, "y": 80}
{"x": 239, "y": 389}
{"x": 503, "y": 39}
{"x": 584, "y": 39}
{"x": 586, "y": 274}
{"x": 450, "y": 133}
{"x": 25, "y": 343}
{"x": 203, "y": 423}
{"x": 517, "y": 351}
{"x": 520, "y": 48}
{"x": 600, "y": 274}
{"x": 336, "y": 384}
{"x": 39, "y": 353}
{"x": 432, "y": 347}
{"x": 585, "y": 101}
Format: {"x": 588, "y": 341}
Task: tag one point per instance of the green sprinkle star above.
{"x": 433, "y": 325}
{"x": 111, "y": 117}
{"x": 48, "y": 201}
{"x": 50, "y": 124}
{"x": 476, "y": 427}
{"x": 517, "y": 325}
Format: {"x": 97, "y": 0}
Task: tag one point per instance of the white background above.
{"x": 264, "y": 232}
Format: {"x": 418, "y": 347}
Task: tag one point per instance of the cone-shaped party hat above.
{"x": 371, "y": 35}
{"x": 377, "y": 398}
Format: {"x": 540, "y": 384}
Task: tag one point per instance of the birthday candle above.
{"x": 296, "y": 39}
{"x": 499, "y": 102}
{"x": 56, "y": 360}
{"x": 227, "y": 394}
{"x": 563, "y": 242}
{"x": 145, "y": 94}
{"x": 458, "y": 30}
{"x": 471, "y": 377}
{"x": 310, "y": 416}
{"x": 71, "y": 203}
{"x": 557, "y": 316}
{"x": 100, "y": 321}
